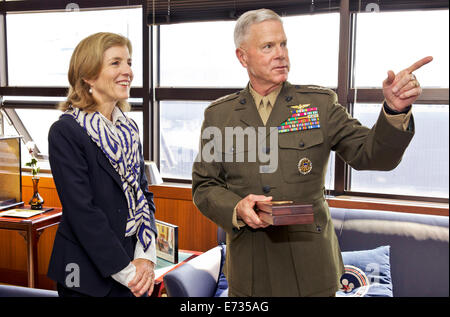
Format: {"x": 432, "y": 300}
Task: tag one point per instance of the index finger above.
{"x": 419, "y": 63}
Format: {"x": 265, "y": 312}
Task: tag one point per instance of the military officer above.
{"x": 304, "y": 259}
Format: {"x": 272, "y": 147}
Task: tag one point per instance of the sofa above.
{"x": 385, "y": 254}
{"x": 20, "y": 291}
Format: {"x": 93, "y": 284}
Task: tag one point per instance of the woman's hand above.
{"x": 144, "y": 278}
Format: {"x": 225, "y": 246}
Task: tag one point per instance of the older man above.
{"x": 303, "y": 259}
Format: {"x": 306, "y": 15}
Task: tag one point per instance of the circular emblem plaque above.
{"x": 304, "y": 166}
{"x": 354, "y": 282}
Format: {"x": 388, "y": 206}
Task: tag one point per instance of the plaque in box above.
{"x": 280, "y": 213}
{"x": 294, "y": 219}
{"x": 286, "y": 207}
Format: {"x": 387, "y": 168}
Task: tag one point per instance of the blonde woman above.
{"x": 105, "y": 243}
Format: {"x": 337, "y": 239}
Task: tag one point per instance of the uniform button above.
{"x": 288, "y": 98}
{"x": 242, "y": 101}
{"x": 266, "y": 189}
{"x": 319, "y": 228}
{"x": 301, "y": 144}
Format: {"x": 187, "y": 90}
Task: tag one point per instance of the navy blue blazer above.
{"x": 90, "y": 240}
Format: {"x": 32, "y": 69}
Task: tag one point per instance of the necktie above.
{"x": 264, "y": 110}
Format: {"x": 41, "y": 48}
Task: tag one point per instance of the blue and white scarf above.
{"x": 121, "y": 147}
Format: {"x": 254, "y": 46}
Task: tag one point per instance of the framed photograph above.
{"x": 167, "y": 241}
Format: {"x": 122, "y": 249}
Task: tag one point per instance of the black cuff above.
{"x": 394, "y": 112}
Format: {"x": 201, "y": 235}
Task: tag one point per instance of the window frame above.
{"x": 143, "y": 92}
{"x": 152, "y": 93}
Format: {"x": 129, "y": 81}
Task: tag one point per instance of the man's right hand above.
{"x": 246, "y": 213}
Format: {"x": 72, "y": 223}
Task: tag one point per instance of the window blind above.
{"x": 177, "y": 11}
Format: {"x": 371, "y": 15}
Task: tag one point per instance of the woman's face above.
{"x": 113, "y": 82}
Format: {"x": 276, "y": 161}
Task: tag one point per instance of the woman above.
{"x": 105, "y": 243}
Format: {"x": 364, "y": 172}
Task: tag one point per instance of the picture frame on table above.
{"x": 167, "y": 241}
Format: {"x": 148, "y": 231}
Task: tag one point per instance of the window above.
{"x": 46, "y": 117}
{"x": 208, "y": 58}
{"x": 313, "y": 43}
{"x": 423, "y": 170}
{"x": 180, "y": 123}
{"x": 381, "y": 47}
{"x": 195, "y": 63}
{"x": 40, "y": 44}
{"x": 200, "y": 54}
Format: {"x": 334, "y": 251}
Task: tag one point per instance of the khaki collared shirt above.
{"x": 264, "y": 104}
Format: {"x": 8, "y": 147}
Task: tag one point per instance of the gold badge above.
{"x": 304, "y": 166}
{"x": 300, "y": 106}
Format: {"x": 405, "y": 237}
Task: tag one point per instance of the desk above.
{"x": 31, "y": 229}
{"x": 163, "y": 267}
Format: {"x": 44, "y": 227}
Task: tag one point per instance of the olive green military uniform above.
{"x": 295, "y": 260}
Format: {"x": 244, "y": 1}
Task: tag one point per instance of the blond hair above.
{"x": 86, "y": 63}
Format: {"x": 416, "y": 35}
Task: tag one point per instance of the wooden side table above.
{"x": 163, "y": 267}
{"x": 31, "y": 229}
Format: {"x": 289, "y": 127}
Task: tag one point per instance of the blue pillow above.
{"x": 367, "y": 273}
{"x": 222, "y": 284}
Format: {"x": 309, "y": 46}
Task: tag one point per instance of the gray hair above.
{"x": 248, "y": 19}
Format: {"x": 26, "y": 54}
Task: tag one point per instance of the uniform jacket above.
{"x": 295, "y": 260}
{"x": 91, "y": 233}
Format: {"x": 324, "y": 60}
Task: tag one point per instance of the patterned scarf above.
{"x": 121, "y": 147}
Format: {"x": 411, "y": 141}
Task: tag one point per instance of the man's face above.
{"x": 265, "y": 55}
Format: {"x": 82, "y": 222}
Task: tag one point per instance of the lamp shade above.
{"x": 152, "y": 173}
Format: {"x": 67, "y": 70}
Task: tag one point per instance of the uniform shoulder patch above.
{"x": 314, "y": 89}
{"x": 224, "y": 99}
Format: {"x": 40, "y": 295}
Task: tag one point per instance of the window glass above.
{"x": 45, "y": 118}
{"x": 424, "y": 169}
{"x": 203, "y": 54}
{"x": 138, "y": 117}
{"x": 40, "y": 44}
{"x": 181, "y": 123}
{"x": 38, "y": 122}
{"x": 381, "y": 47}
{"x": 200, "y": 54}
{"x": 313, "y": 43}
{"x": 8, "y": 127}
{"x": 180, "y": 126}
{"x": 39, "y": 132}
{"x": 329, "y": 176}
